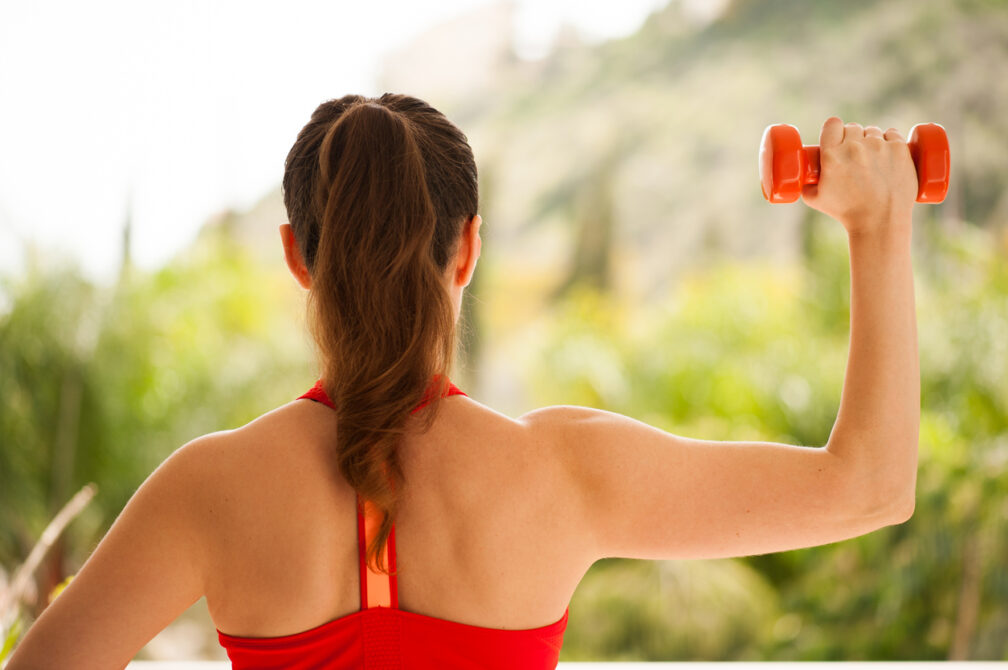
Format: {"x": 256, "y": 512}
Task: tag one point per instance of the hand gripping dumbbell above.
{"x": 785, "y": 165}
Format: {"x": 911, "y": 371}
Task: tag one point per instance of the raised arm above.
{"x": 640, "y": 492}
{"x": 869, "y": 185}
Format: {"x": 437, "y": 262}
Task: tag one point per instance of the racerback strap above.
{"x": 376, "y": 589}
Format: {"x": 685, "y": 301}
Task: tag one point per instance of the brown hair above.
{"x": 377, "y": 191}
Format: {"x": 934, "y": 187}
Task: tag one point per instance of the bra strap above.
{"x": 376, "y": 589}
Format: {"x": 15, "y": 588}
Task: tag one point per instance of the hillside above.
{"x": 646, "y": 147}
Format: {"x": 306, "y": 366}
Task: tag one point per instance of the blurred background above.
{"x": 629, "y": 263}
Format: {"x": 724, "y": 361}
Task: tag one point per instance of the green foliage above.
{"x": 10, "y": 636}
{"x": 727, "y": 357}
{"x": 102, "y": 383}
{"x": 657, "y": 610}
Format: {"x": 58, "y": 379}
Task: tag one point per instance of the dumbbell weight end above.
{"x": 786, "y": 165}
{"x": 929, "y": 149}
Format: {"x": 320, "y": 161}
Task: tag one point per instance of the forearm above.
{"x": 877, "y": 425}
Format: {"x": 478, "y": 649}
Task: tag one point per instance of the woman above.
{"x": 476, "y": 527}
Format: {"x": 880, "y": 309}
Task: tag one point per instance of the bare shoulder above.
{"x": 272, "y": 512}
{"x": 176, "y": 539}
{"x": 642, "y": 492}
{"x": 234, "y": 472}
{"x": 560, "y": 417}
{"x": 285, "y": 433}
{"x": 572, "y": 433}
{"x": 561, "y": 423}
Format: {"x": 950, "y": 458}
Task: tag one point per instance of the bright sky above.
{"x": 188, "y": 107}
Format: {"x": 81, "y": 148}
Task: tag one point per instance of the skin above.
{"x": 256, "y": 520}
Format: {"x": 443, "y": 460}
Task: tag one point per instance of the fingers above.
{"x": 835, "y": 131}
{"x": 832, "y": 132}
{"x": 853, "y": 131}
{"x": 894, "y": 135}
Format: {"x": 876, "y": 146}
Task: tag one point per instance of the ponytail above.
{"x": 369, "y": 192}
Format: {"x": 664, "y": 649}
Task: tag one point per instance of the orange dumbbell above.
{"x": 785, "y": 165}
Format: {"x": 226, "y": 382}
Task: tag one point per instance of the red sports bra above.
{"x": 381, "y": 635}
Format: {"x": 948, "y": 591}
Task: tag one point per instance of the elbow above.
{"x": 885, "y": 486}
{"x": 896, "y": 507}
{"x": 891, "y": 511}
{"x": 902, "y": 497}
{"x": 903, "y": 511}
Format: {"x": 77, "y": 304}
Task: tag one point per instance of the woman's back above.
{"x": 481, "y": 536}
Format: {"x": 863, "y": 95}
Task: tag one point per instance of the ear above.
{"x": 470, "y": 245}
{"x": 292, "y": 253}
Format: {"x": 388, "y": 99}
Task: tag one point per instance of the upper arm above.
{"x": 645, "y": 493}
{"x": 143, "y": 574}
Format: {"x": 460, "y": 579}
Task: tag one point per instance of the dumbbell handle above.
{"x": 811, "y": 163}
{"x": 786, "y": 165}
